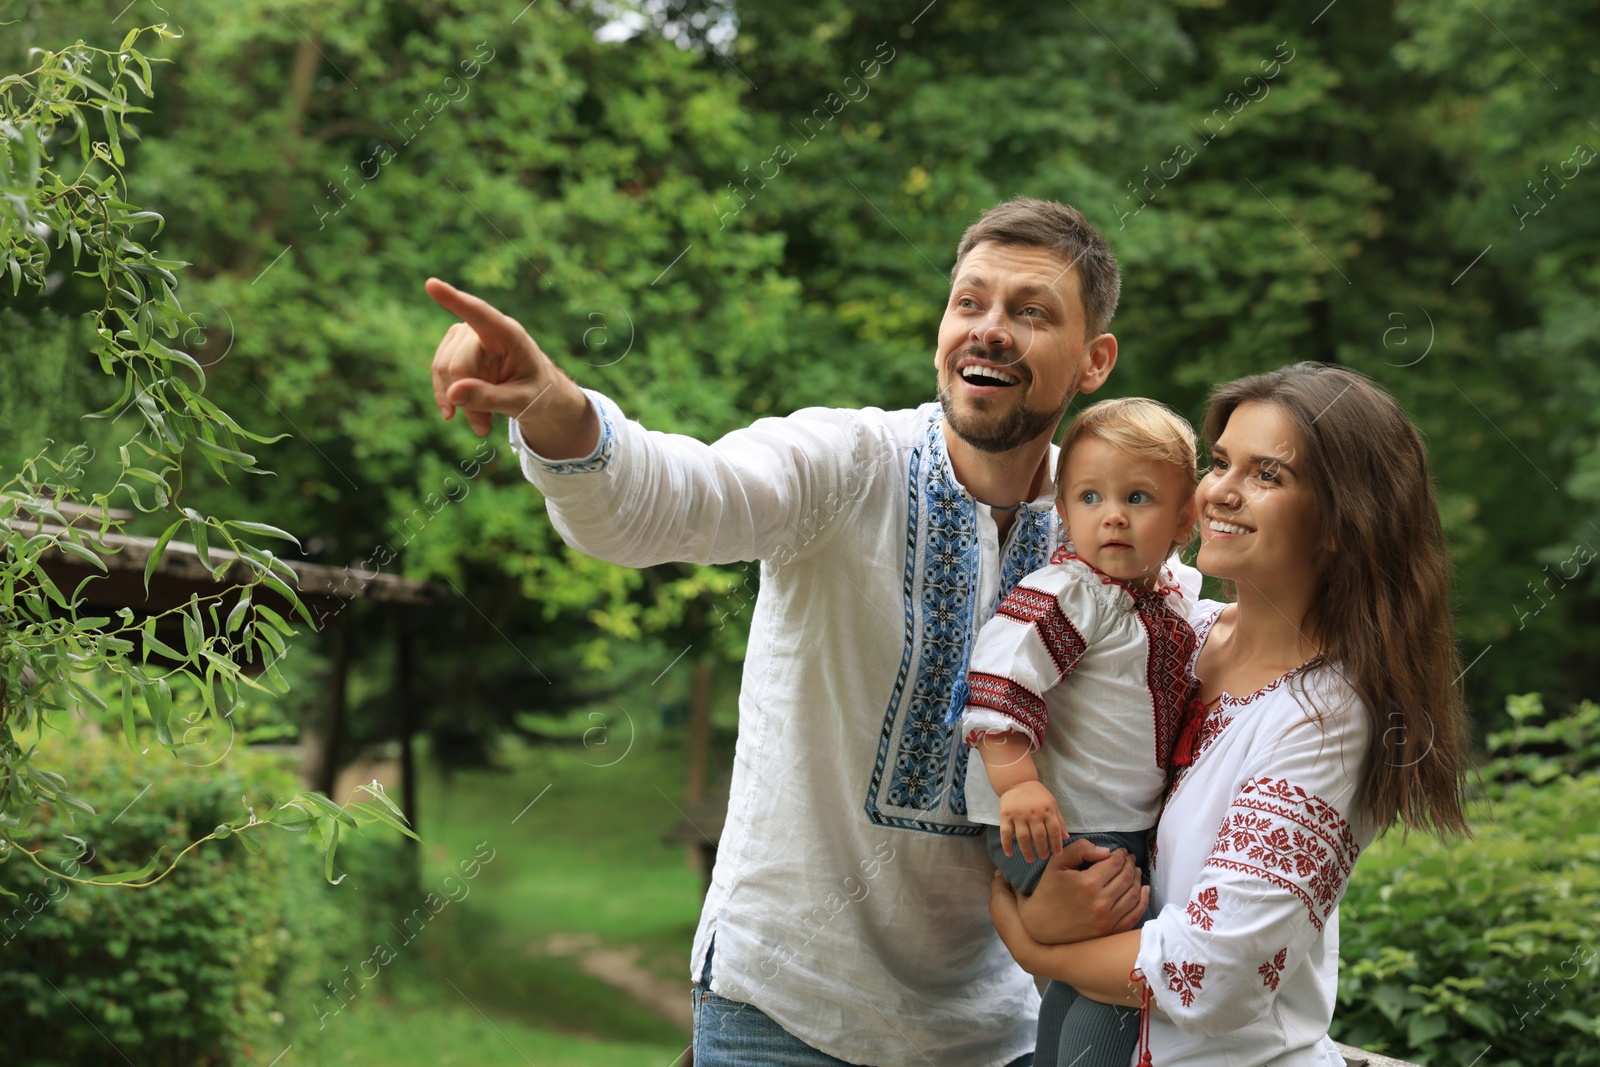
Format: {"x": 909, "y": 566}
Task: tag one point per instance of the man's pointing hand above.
{"x": 487, "y": 365}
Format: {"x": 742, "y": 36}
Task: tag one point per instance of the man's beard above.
{"x": 1011, "y": 431}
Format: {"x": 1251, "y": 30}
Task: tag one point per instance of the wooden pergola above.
{"x": 180, "y": 574}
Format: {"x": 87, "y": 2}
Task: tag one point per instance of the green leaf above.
{"x": 144, "y": 69}
{"x": 328, "y": 807}
{"x": 73, "y": 802}
{"x": 80, "y": 552}
{"x": 378, "y": 793}
{"x": 152, "y": 643}
{"x": 269, "y": 636}
{"x": 155, "y": 553}
{"x": 332, "y": 841}
{"x": 130, "y": 729}
{"x": 1388, "y": 999}
{"x": 220, "y": 457}
{"x": 158, "y": 698}
{"x": 191, "y": 635}
{"x": 197, "y": 530}
{"x": 93, "y": 699}
{"x": 1483, "y": 1017}
{"x": 237, "y": 616}
{"x": 272, "y": 581}
{"x": 291, "y": 816}
{"x": 377, "y": 814}
{"x": 128, "y": 877}
{"x": 1422, "y": 1029}
{"x": 113, "y": 136}
{"x": 263, "y": 530}
{"x": 145, "y": 216}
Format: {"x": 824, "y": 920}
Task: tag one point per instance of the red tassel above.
{"x": 1136, "y": 975}
{"x": 1195, "y": 715}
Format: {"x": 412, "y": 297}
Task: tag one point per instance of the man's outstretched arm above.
{"x": 487, "y": 365}
{"x": 636, "y": 497}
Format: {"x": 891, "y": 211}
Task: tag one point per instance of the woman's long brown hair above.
{"x": 1382, "y": 607}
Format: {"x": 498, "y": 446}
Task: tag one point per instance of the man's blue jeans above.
{"x": 730, "y": 1034}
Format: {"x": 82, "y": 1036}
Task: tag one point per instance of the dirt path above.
{"x": 619, "y": 968}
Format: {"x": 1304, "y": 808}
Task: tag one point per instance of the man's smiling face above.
{"x": 1012, "y": 346}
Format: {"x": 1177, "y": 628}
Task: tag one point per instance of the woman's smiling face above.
{"x": 1258, "y": 522}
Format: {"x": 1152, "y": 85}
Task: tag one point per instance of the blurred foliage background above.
{"x": 714, "y": 210}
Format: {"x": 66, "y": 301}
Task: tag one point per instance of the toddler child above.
{"x": 1078, "y": 687}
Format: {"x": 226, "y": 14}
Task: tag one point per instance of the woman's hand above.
{"x": 1097, "y": 968}
{"x": 1073, "y": 905}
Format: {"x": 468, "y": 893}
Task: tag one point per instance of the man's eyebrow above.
{"x": 1043, "y": 293}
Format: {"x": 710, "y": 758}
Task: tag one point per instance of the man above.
{"x": 847, "y": 918}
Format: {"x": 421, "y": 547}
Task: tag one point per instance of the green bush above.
{"x": 190, "y": 971}
{"x": 333, "y": 927}
{"x": 1485, "y": 951}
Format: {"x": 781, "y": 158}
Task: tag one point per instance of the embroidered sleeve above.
{"x": 1028, "y": 647}
{"x": 774, "y": 491}
{"x": 1278, "y": 866}
{"x": 596, "y": 461}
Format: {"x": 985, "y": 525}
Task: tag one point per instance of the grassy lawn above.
{"x": 402, "y": 1034}
{"x": 475, "y": 986}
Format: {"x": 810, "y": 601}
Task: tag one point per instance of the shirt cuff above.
{"x": 593, "y": 463}
{"x": 978, "y": 723}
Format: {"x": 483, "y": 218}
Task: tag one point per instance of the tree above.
{"x": 53, "y": 654}
{"x": 1277, "y": 187}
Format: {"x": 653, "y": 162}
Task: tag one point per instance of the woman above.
{"x": 1328, "y": 710}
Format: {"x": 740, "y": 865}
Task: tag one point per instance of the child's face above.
{"x": 1122, "y": 512}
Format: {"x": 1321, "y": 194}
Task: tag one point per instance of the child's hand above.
{"x": 1029, "y": 817}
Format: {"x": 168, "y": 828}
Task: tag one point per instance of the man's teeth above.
{"x": 979, "y": 375}
{"x": 1218, "y": 526}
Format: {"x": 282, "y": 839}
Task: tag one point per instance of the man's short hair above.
{"x": 1063, "y": 230}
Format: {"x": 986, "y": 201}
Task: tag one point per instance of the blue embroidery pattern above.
{"x": 919, "y": 778}
{"x": 600, "y": 458}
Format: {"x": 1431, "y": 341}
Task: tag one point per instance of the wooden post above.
{"x": 702, "y": 854}
{"x": 699, "y": 730}
{"x": 406, "y": 699}
{"x": 334, "y": 727}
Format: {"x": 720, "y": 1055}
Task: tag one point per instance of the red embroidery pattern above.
{"x": 1168, "y": 585}
{"x": 1295, "y": 840}
{"x": 1272, "y": 970}
{"x": 1010, "y": 698}
{"x": 1201, "y": 907}
{"x": 1184, "y": 979}
{"x": 1043, "y": 612}
{"x": 1171, "y": 644}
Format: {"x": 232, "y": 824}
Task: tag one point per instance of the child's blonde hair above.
{"x": 1143, "y": 428}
